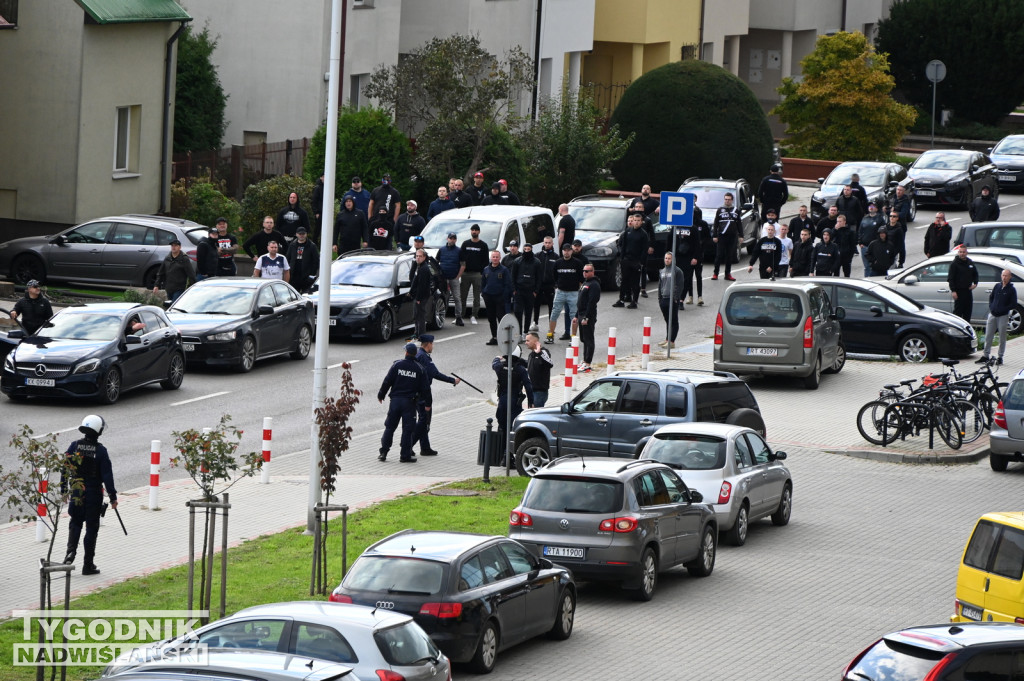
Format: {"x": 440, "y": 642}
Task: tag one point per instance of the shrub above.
{"x": 203, "y": 202}
{"x": 270, "y": 196}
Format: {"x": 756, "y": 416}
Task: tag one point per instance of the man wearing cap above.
{"x": 33, "y": 309}
{"x": 410, "y": 223}
{"x": 448, "y": 260}
{"x": 176, "y": 273}
{"x": 495, "y": 198}
{"x": 422, "y": 413}
{"x": 881, "y": 254}
{"x": 566, "y": 226}
{"x": 292, "y": 216}
{"x": 206, "y": 255}
{"x": 272, "y": 265}
{"x": 520, "y": 382}
{"x": 473, "y": 259}
{"x": 440, "y": 204}
{"x": 227, "y": 246}
{"x": 351, "y": 230}
{"x": 304, "y": 260}
{"x": 568, "y": 275}
{"x": 385, "y": 197}
{"x": 408, "y": 383}
{"x": 577, "y": 252}
{"x": 477, "y": 191}
{"x": 421, "y": 290}
{"x": 360, "y": 197}
{"x": 985, "y": 207}
{"x": 256, "y": 245}
{"x": 868, "y": 232}
{"x": 511, "y": 198}
{"x": 512, "y": 255}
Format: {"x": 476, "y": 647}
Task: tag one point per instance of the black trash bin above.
{"x": 490, "y": 449}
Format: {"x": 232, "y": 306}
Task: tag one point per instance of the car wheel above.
{"x": 737, "y": 536}
{"x": 915, "y": 348}
{"x": 840, "y": 360}
{"x": 110, "y": 386}
{"x": 486, "y": 650}
{"x": 1014, "y": 319}
{"x": 648, "y": 575}
{"x": 302, "y": 343}
{"x": 913, "y": 209}
{"x": 532, "y": 455}
{"x": 703, "y": 564}
{"x": 814, "y": 380}
{"x": 748, "y": 418}
{"x": 175, "y": 373}
{"x": 997, "y": 462}
{"x": 385, "y": 326}
{"x": 149, "y": 279}
{"x": 436, "y": 323}
{"x": 248, "y": 355}
{"x": 613, "y": 276}
{"x": 26, "y": 268}
{"x": 781, "y": 515}
{"x": 562, "y": 628}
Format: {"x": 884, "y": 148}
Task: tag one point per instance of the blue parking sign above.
{"x": 677, "y": 209}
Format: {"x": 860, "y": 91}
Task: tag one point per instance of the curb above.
{"x": 907, "y": 457}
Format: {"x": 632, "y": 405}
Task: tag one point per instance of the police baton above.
{"x": 467, "y": 383}
{"x": 118, "y": 514}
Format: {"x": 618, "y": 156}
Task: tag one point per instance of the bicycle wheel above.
{"x": 987, "y": 403}
{"x": 971, "y": 418}
{"x": 870, "y": 421}
{"x": 947, "y": 425}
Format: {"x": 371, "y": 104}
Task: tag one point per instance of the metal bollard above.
{"x": 267, "y": 436}
{"x": 44, "y": 485}
{"x": 567, "y": 391}
{"x": 154, "y": 475}
{"x": 575, "y": 361}
{"x": 611, "y": 349}
{"x": 645, "y": 356}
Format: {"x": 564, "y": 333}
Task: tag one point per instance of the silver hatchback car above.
{"x": 738, "y": 474}
{"x": 1007, "y": 437}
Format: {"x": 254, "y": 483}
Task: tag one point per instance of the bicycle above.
{"x": 912, "y": 417}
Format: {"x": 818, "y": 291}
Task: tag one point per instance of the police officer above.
{"x": 34, "y": 309}
{"x": 520, "y": 381}
{"x": 423, "y": 405}
{"x": 89, "y": 464}
{"x": 408, "y": 383}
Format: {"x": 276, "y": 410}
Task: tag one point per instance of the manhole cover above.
{"x": 453, "y": 492}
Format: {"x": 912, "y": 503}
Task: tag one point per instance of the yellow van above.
{"x": 989, "y": 587}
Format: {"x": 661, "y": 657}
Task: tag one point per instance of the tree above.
{"x": 269, "y": 196}
{"x": 843, "y": 108}
{"x": 690, "y": 118}
{"x": 199, "y": 100}
{"x": 451, "y": 91}
{"x": 567, "y": 149}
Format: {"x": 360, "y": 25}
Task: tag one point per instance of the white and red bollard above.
{"x": 267, "y": 436}
{"x": 567, "y": 390}
{"x": 611, "y": 349}
{"x": 645, "y": 356}
{"x": 575, "y": 360}
{"x": 44, "y": 486}
{"x": 154, "y": 475}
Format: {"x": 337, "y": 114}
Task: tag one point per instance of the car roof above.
{"x": 156, "y": 220}
{"x": 247, "y": 663}
{"x": 246, "y": 282}
{"x": 493, "y": 212}
{"x": 723, "y": 430}
{"x": 368, "y": 255}
{"x": 427, "y": 544}
{"x": 1015, "y": 518}
{"x": 602, "y": 200}
{"x": 712, "y": 182}
{"x": 677, "y": 375}
{"x": 993, "y": 224}
{"x": 106, "y": 307}
{"x": 1014, "y": 267}
{"x": 353, "y": 615}
{"x": 794, "y": 285}
{"x": 946, "y": 638}
{"x": 598, "y": 466}
{"x": 958, "y": 152}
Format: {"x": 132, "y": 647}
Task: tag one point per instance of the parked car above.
{"x": 236, "y": 321}
{"x": 1015, "y": 255}
{"x": 991, "y": 234}
{"x": 988, "y": 582}
{"x": 941, "y": 652}
{"x": 709, "y": 194}
{"x": 237, "y": 665}
{"x": 498, "y": 226}
{"x": 123, "y": 250}
{"x": 370, "y": 295}
{"x": 926, "y": 283}
{"x": 952, "y": 177}
{"x": 615, "y": 415}
{"x": 878, "y": 179}
{"x": 1008, "y": 157}
{"x": 733, "y": 468}
{"x": 95, "y": 351}
{"x": 613, "y": 520}
{"x": 881, "y": 321}
{"x": 475, "y": 595}
{"x": 599, "y": 222}
{"x": 1006, "y": 439}
{"x": 779, "y": 328}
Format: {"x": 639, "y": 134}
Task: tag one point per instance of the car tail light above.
{"x": 854, "y": 661}
{"x": 936, "y": 671}
{"x": 999, "y": 416}
{"x": 388, "y": 675}
{"x": 622, "y": 524}
{"x": 718, "y": 329}
{"x": 725, "y": 492}
{"x": 192, "y": 255}
{"x": 340, "y": 598}
{"x": 442, "y": 610}
{"x": 519, "y": 519}
{"x": 1018, "y": 620}
{"x": 809, "y": 333}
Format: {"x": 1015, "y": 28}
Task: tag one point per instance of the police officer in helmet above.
{"x": 520, "y": 382}
{"x": 407, "y": 381}
{"x": 89, "y": 463}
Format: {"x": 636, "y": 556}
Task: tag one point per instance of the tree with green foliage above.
{"x": 974, "y": 38}
{"x": 843, "y": 109}
{"x": 203, "y": 201}
{"x": 568, "y": 150}
{"x": 199, "y": 100}
{"x": 369, "y": 145}
{"x": 269, "y": 196}
{"x": 690, "y": 118}
{"x": 449, "y": 91}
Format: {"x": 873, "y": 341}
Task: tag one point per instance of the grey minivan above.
{"x": 776, "y": 328}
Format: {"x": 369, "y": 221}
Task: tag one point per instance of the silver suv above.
{"x": 606, "y": 519}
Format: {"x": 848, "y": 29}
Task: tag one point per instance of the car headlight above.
{"x": 225, "y": 336}
{"x": 364, "y": 308}
{"x": 600, "y": 252}
{"x": 9, "y": 362}
{"x": 959, "y": 182}
{"x": 86, "y": 366}
{"x": 953, "y": 331}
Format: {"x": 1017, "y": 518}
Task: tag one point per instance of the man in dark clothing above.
{"x": 633, "y": 245}
{"x": 291, "y": 217}
{"x": 767, "y": 255}
{"x": 256, "y": 245}
{"x": 448, "y": 260}
{"x": 382, "y": 231}
{"x": 351, "y": 231}
{"x": 512, "y": 255}
{"x": 318, "y": 203}
{"x": 802, "y": 261}
{"x": 827, "y": 222}
{"x": 798, "y": 223}
{"x": 304, "y": 260}
{"x": 227, "y": 246}
{"x": 962, "y": 280}
{"x": 689, "y": 251}
{"x": 577, "y": 252}
{"x": 826, "y": 255}
{"x": 985, "y": 207}
{"x": 898, "y": 236}
{"x": 495, "y": 198}
{"x": 477, "y": 191}
{"x": 538, "y": 367}
{"x": 881, "y": 254}
{"x": 937, "y": 237}
{"x": 176, "y": 273}
{"x": 459, "y": 197}
{"x": 34, "y": 309}
{"x": 87, "y": 473}
{"x": 858, "y": 190}
{"x": 387, "y": 197}
{"x": 497, "y": 291}
{"x": 868, "y": 232}
{"x": 724, "y": 231}
{"x": 652, "y": 204}
{"x": 360, "y": 197}
{"x": 901, "y": 204}
{"x": 520, "y": 382}
{"x": 422, "y": 413}
{"x": 1001, "y": 300}
{"x": 473, "y": 256}
{"x": 206, "y": 256}
{"x": 410, "y": 223}
{"x": 566, "y": 230}
{"x": 422, "y": 293}
{"x": 637, "y": 206}
{"x": 849, "y": 204}
{"x": 511, "y": 198}
{"x": 586, "y": 314}
{"x": 408, "y": 383}
{"x": 846, "y": 239}
{"x": 546, "y": 291}
{"x": 440, "y": 204}
{"x": 773, "y": 192}
{"x": 526, "y": 277}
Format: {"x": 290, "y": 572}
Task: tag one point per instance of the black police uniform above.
{"x": 772, "y": 192}
{"x": 520, "y": 381}
{"x": 89, "y": 462}
{"x": 33, "y": 312}
{"x": 423, "y": 415}
{"x": 407, "y": 382}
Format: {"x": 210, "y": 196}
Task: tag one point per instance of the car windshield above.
{"x": 687, "y": 452}
{"x": 395, "y": 574}
{"x": 405, "y": 644}
{"x": 709, "y": 198}
{"x": 435, "y": 235}
{"x": 570, "y": 494}
{"x": 598, "y": 218}
{"x": 763, "y": 308}
{"x": 870, "y": 176}
{"x": 940, "y": 160}
{"x": 1011, "y": 146}
{"x": 896, "y": 299}
{"x": 226, "y": 300}
{"x": 373, "y": 273}
{"x": 82, "y": 326}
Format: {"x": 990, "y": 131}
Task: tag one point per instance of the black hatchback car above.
{"x": 952, "y": 177}
{"x": 474, "y": 594}
{"x": 96, "y": 351}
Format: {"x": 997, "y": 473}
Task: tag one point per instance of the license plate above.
{"x": 763, "y": 352}
{"x": 926, "y": 192}
{"x": 1006, "y": 178}
{"x": 334, "y": 322}
{"x": 41, "y": 382}
{"x": 188, "y": 347}
{"x": 970, "y": 612}
{"x": 565, "y": 552}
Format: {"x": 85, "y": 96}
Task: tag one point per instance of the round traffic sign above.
{"x": 935, "y": 71}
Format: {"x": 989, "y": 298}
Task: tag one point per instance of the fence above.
{"x": 606, "y": 96}
{"x": 239, "y": 166}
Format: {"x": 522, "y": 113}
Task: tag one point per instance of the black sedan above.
{"x": 952, "y": 177}
{"x": 880, "y": 321}
{"x": 1008, "y": 156}
{"x": 96, "y": 351}
{"x": 475, "y": 595}
{"x": 370, "y": 295}
{"x": 235, "y": 321}
{"x": 879, "y": 180}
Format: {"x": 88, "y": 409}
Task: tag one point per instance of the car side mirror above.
{"x": 777, "y": 456}
{"x": 875, "y": 310}
{"x": 910, "y": 281}
{"x": 544, "y": 564}
{"x": 839, "y": 313}
{"x": 747, "y": 206}
{"x": 16, "y": 334}
{"x": 404, "y": 283}
{"x": 974, "y": 168}
{"x": 821, "y": 181}
{"x": 989, "y": 150}
{"x": 314, "y": 288}
{"x": 893, "y": 184}
{"x": 566, "y": 408}
{"x": 265, "y": 310}
{"x": 132, "y": 339}
{"x": 57, "y": 240}
{"x": 696, "y": 497}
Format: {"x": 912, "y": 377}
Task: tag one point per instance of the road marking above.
{"x": 448, "y": 338}
{"x": 56, "y": 432}
{"x": 197, "y": 399}
{"x": 335, "y": 366}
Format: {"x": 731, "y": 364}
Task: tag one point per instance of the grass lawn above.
{"x": 277, "y": 567}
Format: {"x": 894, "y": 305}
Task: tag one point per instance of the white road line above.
{"x": 56, "y": 432}
{"x": 335, "y": 366}
{"x": 460, "y": 335}
{"x": 197, "y": 399}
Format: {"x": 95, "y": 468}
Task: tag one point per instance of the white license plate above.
{"x": 565, "y": 552}
{"x": 334, "y": 322}
{"x": 971, "y": 612}
{"x": 763, "y": 352}
{"x": 926, "y": 192}
{"x": 1006, "y": 178}
{"x": 41, "y": 382}
{"x": 188, "y": 347}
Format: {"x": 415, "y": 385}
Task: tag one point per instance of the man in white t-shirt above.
{"x": 787, "y": 250}
{"x": 272, "y": 265}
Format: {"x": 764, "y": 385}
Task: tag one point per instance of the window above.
{"x": 601, "y": 396}
{"x": 934, "y": 272}
{"x": 8, "y": 13}
{"x": 744, "y": 457}
{"x": 988, "y": 273}
{"x": 152, "y": 322}
{"x": 495, "y": 566}
{"x": 128, "y": 235}
{"x": 159, "y": 237}
{"x": 990, "y": 666}
{"x": 650, "y": 489}
{"x": 675, "y": 400}
{"x": 674, "y": 487}
{"x": 266, "y": 297}
{"x": 687, "y": 451}
{"x": 472, "y": 575}
{"x": 532, "y": 227}
{"x": 519, "y": 558}
{"x": 511, "y": 232}
{"x": 92, "y": 233}
{"x": 852, "y": 299}
{"x": 404, "y": 273}
{"x": 285, "y": 294}
{"x": 715, "y": 401}
{"x": 250, "y": 634}
{"x": 573, "y": 495}
{"x": 640, "y": 398}
{"x": 322, "y": 643}
{"x": 402, "y": 574}
{"x": 1009, "y": 558}
{"x": 1008, "y": 237}
{"x": 980, "y": 547}
{"x": 1013, "y": 398}
{"x": 763, "y": 308}
{"x": 759, "y": 448}
{"x": 127, "y": 133}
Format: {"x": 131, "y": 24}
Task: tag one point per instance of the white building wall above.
{"x": 724, "y": 19}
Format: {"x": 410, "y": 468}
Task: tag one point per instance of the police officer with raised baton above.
{"x": 407, "y": 382}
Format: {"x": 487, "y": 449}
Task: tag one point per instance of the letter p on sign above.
{"x": 677, "y": 209}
